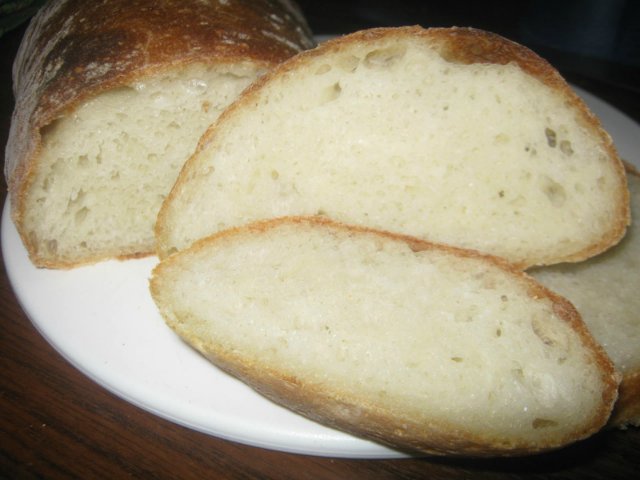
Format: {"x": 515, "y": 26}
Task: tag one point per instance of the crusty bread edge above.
{"x": 339, "y": 411}
{"x": 465, "y": 45}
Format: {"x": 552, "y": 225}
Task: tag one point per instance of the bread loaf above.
{"x": 111, "y": 98}
{"x": 422, "y": 347}
{"x": 605, "y": 289}
{"x": 452, "y": 135}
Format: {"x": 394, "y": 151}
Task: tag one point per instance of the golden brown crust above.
{"x": 630, "y": 168}
{"x": 462, "y": 45}
{"x": 338, "y": 410}
{"x": 626, "y": 411}
{"x": 74, "y": 49}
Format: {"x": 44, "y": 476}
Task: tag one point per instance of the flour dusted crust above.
{"x": 73, "y": 50}
{"x": 314, "y": 395}
{"x": 458, "y": 46}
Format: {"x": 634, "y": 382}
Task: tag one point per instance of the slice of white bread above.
{"x": 452, "y": 135}
{"x": 111, "y": 99}
{"x": 606, "y": 291}
{"x": 422, "y": 347}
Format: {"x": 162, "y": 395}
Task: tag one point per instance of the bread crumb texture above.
{"x": 106, "y": 167}
{"x": 386, "y": 132}
{"x": 455, "y": 343}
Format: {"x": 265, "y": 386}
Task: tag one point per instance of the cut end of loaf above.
{"x": 168, "y": 63}
{"x": 105, "y": 167}
{"x": 437, "y": 349}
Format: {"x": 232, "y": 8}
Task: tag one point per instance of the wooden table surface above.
{"x": 57, "y": 423}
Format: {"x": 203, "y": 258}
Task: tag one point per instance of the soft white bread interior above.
{"x": 422, "y": 347}
{"x": 452, "y": 135}
{"x": 105, "y": 168}
{"x": 606, "y": 291}
{"x": 108, "y": 111}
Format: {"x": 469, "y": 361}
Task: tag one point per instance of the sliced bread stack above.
{"x": 111, "y": 99}
{"x": 324, "y": 242}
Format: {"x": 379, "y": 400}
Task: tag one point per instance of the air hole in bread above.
{"x": 322, "y": 69}
{"x": 47, "y": 132}
{"x": 554, "y": 191}
{"x": 81, "y": 214}
{"x": 76, "y": 198}
{"x": 566, "y": 148}
{"x": 551, "y": 135}
{"x": 552, "y": 337}
{"x": 501, "y": 138}
{"x": 384, "y": 57}
{"x": 57, "y": 167}
{"x": 332, "y": 92}
{"x": 83, "y": 161}
{"x": 543, "y": 423}
{"x": 518, "y": 374}
{"x": 348, "y": 63}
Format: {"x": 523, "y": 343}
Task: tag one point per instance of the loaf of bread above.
{"x": 422, "y": 347}
{"x": 451, "y": 135}
{"x": 111, "y": 99}
{"x": 606, "y": 291}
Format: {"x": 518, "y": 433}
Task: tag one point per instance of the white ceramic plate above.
{"x": 101, "y": 319}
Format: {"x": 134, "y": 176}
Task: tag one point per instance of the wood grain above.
{"x": 57, "y": 423}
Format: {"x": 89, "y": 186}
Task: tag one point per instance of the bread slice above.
{"x": 111, "y": 99}
{"x": 452, "y": 135}
{"x": 605, "y": 289}
{"x": 422, "y": 347}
